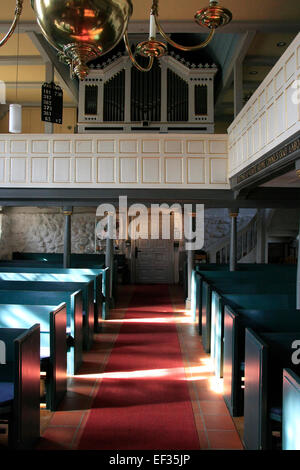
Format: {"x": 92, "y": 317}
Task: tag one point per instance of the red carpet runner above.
{"x": 143, "y": 400}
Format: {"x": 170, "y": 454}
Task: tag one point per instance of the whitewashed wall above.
{"x": 272, "y": 114}
{"x": 42, "y": 229}
{"x": 114, "y": 161}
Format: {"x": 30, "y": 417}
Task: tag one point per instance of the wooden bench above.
{"x": 20, "y": 386}
{"x": 59, "y": 286}
{"x": 53, "y": 342}
{"x": 212, "y": 280}
{"x": 99, "y": 277}
{"x": 266, "y": 318}
{"x": 86, "y": 258}
{"x": 77, "y": 273}
{"x": 74, "y": 329}
{"x": 212, "y": 272}
{"x": 290, "y": 410}
{"x": 228, "y": 293}
{"x": 79, "y": 260}
{"x": 266, "y": 355}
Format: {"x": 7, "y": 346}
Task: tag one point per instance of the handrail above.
{"x": 246, "y": 242}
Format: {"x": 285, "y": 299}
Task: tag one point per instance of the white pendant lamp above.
{"x": 15, "y": 118}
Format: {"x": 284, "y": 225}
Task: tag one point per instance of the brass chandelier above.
{"x": 82, "y": 30}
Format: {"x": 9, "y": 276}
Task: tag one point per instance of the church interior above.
{"x": 149, "y": 226}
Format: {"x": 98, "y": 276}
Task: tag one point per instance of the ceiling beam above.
{"x": 49, "y": 54}
{"x": 190, "y": 26}
{"x": 260, "y": 61}
{"x": 27, "y": 85}
{"x": 23, "y": 26}
{"x": 241, "y": 49}
{"x": 218, "y": 198}
{"x": 186, "y": 26}
{"x": 21, "y": 60}
{"x": 37, "y": 104}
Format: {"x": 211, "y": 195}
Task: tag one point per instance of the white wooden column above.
{"x": 190, "y": 267}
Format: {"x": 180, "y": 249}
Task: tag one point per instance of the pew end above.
{"x": 23, "y": 369}
{"x": 291, "y": 411}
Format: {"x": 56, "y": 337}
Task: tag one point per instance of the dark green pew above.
{"x": 266, "y": 355}
{"x": 29, "y": 267}
{"x": 74, "y": 307}
{"x": 79, "y": 260}
{"x": 59, "y": 257}
{"x": 290, "y": 410}
{"x": 207, "y": 280}
{"x": 265, "y": 319}
{"x": 220, "y": 297}
{"x": 53, "y": 343}
{"x": 100, "y": 278}
{"x": 20, "y": 386}
{"x": 87, "y": 297}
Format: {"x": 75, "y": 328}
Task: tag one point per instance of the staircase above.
{"x": 246, "y": 244}
{"x": 281, "y": 225}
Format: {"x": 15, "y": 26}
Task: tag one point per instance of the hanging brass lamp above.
{"x": 82, "y": 30}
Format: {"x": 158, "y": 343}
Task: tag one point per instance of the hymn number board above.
{"x": 52, "y": 103}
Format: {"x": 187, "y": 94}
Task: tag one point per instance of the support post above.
{"x": 297, "y": 167}
{"x": 67, "y": 211}
{"x": 261, "y": 237}
{"x": 233, "y": 213}
{"x": 109, "y": 255}
{"x": 190, "y": 267}
{"x": 298, "y": 272}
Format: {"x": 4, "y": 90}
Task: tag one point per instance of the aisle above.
{"x": 143, "y": 401}
{"x": 146, "y": 384}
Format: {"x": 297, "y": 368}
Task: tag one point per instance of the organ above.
{"x": 175, "y": 96}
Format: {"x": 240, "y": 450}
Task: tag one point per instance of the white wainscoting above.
{"x": 272, "y": 114}
{"x": 114, "y": 161}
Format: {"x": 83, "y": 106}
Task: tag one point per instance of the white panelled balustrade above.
{"x": 114, "y": 161}
{"x": 271, "y": 115}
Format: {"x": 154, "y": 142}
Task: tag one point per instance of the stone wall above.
{"x": 42, "y": 229}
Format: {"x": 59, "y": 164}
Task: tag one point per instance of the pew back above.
{"x": 23, "y": 360}
{"x": 74, "y": 307}
{"x": 266, "y": 355}
{"x": 88, "y": 299}
{"x": 290, "y": 411}
{"x": 53, "y": 347}
{"x": 235, "y": 322}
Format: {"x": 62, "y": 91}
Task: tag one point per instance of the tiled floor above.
{"x": 215, "y": 427}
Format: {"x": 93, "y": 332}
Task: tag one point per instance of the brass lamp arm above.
{"x": 179, "y": 46}
{"x": 135, "y": 63}
{"x": 18, "y": 11}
